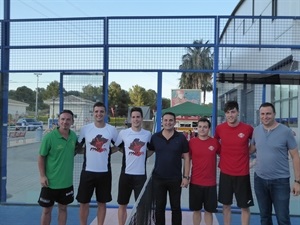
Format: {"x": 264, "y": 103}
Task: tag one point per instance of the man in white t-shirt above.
{"x": 96, "y": 170}
{"x": 133, "y": 143}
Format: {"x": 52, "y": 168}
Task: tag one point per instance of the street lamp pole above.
{"x": 53, "y": 99}
{"x": 116, "y": 108}
{"x": 37, "y": 93}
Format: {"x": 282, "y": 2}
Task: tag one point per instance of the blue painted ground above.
{"x": 30, "y": 215}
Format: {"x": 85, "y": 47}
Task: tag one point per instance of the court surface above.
{"x": 24, "y": 187}
{"x": 30, "y": 215}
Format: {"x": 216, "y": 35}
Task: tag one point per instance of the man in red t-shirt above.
{"x": 234, "y": 137}
{"x": 203, "y": 187}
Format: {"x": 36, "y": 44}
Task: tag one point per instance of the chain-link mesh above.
{"x": 82, "y": 105}
{"x": 256, "y": 58}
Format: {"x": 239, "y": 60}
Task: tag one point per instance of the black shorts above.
{"x": 239, "y": 186}
{"x": 62, "y": 196}
{"x": 200, "y": 196}
{"x": 127, "y": 184}
{"x": 98, "y": 181}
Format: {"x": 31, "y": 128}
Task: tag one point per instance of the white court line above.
{"x": 187, "y": 217}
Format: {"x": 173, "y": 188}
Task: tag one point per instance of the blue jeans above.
{"x": 161, "y": 188}
{"x": 273, "y": 192}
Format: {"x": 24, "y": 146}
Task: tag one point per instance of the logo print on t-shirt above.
{"x": 211, "y": 148}
{"x": 241, "y": 135}
{"x": 136, "y": 146}
{"x": 98, "y": 142}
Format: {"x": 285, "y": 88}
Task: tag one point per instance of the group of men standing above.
{"x": 97, "y": 140}
{"x": 273, "y": 144}
{"x": 178, "y": 163}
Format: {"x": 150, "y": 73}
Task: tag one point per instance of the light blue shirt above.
{"x": 272, "y": 156}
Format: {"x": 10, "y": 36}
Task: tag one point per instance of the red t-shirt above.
{"x": 234, "y": 156}
{"x": 204, "y": 156}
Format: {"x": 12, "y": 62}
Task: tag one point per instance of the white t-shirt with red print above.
{"x": 98, "y": 142}
{"x": 134, "y": 145}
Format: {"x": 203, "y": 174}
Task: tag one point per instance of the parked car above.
{"x": 28, "y": 124}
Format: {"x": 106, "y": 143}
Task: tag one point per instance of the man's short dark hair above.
{"x": 99, "y": 104}
{"x": 67, "y": 111}
{"x": 268, "y": 104}
{"x": 170, "y": 113}
{"x": 136, "y": 109}
{"x": 204, "y": 119}
{"x": 231, "y": 105}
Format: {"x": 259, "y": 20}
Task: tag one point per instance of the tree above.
{"x": 166, "y": 103}
{"x": 206, "y": 86}
{"x": 197, "y": 58}
{"x": 92, "y": 93}
{"x": 150, "y": 98}
{"x": 138, "y": 95}
{"x": 41, "y": 98}
{"x": 124, "y": 103}
{"x": 24, "y": 94}
{"x": 52, "y": 90}
{"x": 11, "y": 94}
{"x": 114, "y": 96}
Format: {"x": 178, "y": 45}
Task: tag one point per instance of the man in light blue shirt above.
{"x": 274, "y": 143}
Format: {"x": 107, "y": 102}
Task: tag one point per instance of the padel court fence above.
{"x": 255, "y": 59}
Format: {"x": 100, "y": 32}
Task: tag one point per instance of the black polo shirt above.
{"x": 168, "y": 155}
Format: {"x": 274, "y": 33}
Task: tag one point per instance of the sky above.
{"x": 23, "y": 9}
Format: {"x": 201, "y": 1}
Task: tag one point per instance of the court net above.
{"x": 142, "y": 212}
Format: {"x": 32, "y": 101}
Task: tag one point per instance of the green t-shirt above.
{"x": 59, "y": 158}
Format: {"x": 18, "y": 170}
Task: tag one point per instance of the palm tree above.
{"x": 197, "y": 58}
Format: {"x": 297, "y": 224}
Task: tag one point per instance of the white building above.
{"x": 82, "y": 109}
{"x": 258, "y": 45}
{"x": 16, "y": 109}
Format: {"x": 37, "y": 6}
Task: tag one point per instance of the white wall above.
{"x": 16, "y": 108}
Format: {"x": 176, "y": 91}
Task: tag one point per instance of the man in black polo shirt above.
{"x": 170, "y": 147}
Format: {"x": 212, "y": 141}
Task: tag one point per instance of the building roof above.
{"x": 191, "y": 109}
{"x": 70, "y": 99}
{"x": 15, "y": 102}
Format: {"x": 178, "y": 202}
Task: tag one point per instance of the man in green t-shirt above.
{"x": 56, "y": 163}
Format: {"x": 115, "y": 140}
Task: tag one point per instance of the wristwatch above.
{"x": 297, "y": 181}
{"x": 186, "y": 177}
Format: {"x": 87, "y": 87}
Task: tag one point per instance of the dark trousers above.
{"x": 161, "y": 188}
{"x": 273, "y": 192}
